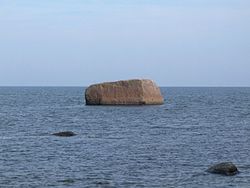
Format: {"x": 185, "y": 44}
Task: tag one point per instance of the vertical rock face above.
{"x": 126, "y": 92}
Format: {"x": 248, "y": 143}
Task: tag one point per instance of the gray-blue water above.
{"x": 134, "y": 146}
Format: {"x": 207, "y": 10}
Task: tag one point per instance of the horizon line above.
{"x": 212, "y": 86}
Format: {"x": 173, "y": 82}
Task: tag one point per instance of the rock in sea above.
{"x": 125, "y": 92}
{"x": 64, "y": 133}
{"x": 226, "y": 168}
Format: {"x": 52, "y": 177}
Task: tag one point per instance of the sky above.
{"x": 81, "y": 42}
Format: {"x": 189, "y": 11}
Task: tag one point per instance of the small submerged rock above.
{"x": 64, "y": 134}
{"x": 104, "y": 183}
{"x": 226, "y": 168}
{"x": 66, "y": 181}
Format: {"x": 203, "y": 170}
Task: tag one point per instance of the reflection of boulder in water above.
{"x": 226, "y": 168}
{"x": 64, "y": 134}
{"x": 126, "y": 92}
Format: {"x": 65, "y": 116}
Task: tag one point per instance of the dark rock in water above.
{"x": 226, "y": 168}
{"x": 67, "y": 181}
{"x": 64, "y": 133}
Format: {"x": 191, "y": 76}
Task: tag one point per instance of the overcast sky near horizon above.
{"x": 80, "y": 42}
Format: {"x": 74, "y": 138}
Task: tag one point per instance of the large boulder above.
{"x": 225, "y": 168}
{"x": 126, "y": 92}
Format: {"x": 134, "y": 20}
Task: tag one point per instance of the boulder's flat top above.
{"x": 125, "y": 92}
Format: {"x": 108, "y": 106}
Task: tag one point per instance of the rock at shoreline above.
{"x": 127, "y": 92}
{"x": 226, "y": 168}
{"x": 64, "y": 134}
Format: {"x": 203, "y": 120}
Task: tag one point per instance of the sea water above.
{"x": 170, "y": 145}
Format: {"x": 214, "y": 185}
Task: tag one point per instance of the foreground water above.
{"x": 138, "y": 146}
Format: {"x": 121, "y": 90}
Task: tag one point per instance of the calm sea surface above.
{"x": 123, "y": 146}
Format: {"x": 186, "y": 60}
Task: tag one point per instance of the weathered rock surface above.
{"x": 226, "y": 168}
{"x": 64, "y": 133}
{"x": 127, "y": 92}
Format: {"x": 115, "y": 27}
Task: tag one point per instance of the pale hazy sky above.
{"x": 80, "y": 42}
